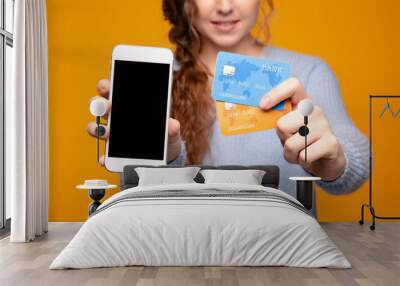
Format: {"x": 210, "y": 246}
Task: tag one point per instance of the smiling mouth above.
{"x": 225, "y": 26}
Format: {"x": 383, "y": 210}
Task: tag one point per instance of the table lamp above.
{"x": 304, "y": 185}
{"x": 98, "y": 109}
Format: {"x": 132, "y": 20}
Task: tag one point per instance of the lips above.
{"x": 225, "y": 26}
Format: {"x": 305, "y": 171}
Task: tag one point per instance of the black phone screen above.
{"x": 138, "y": 110}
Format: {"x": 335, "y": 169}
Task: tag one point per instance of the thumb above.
{"x": 174, "y": 128}
{"x": 174, "y": 139}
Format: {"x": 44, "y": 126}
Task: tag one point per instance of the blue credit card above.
{"x": 245, "y": 80}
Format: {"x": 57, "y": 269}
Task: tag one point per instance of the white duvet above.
{"x": 200, "y": 231}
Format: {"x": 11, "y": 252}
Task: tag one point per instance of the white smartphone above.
{"x": 140, "y": 92}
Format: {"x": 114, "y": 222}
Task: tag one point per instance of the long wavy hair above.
{"x": 192, "y": 104}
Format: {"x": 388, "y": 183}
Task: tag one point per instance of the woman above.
{"x": 337, "y": 151}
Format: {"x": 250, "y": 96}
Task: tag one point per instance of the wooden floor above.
{"x": 375, "y": 257}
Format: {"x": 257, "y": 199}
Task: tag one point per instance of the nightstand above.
{"x": 97, "y": 190}
{"x": 304, "y": 190}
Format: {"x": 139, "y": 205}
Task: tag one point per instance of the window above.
{"x": 6, "y": 62}
{"x": 9, "y": 12}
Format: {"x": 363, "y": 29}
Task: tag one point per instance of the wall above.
{"x": 359, "y": 40}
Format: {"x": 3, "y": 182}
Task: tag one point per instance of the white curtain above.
{"x": 27, "y": 124}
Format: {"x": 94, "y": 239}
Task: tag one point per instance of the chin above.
{"x": 226, "y": 41}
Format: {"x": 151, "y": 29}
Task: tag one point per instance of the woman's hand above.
{"x": 174, "y": 138}
{"x": 325, "y": 156}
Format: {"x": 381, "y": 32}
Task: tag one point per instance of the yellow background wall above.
{"x": 358, "y": 38}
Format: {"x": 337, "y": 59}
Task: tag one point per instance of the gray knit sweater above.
{"x": 264, "y": 147}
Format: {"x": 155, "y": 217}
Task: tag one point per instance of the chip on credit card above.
{"x": 239, "y": 84}
{"x": 245, "y": 80}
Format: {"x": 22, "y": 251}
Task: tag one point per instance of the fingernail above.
{"x": 101, "y": 131}
{"x": 266, "y": 102}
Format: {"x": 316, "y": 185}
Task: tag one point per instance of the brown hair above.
{"x": 192, "y": 104}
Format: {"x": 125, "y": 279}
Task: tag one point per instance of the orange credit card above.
{"x": 237, "y": 118}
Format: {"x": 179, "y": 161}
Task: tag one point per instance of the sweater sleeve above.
{"x": 323, "y": 88}
{"x": 180, "y": 160}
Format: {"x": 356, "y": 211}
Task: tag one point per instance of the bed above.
{"x": 201, "y": 224}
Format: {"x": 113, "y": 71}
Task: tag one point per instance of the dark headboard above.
{"x": 129, "y": 177}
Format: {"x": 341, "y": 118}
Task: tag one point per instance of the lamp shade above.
{"x": 98, "y": 107}
{"x": 305, "y": 107}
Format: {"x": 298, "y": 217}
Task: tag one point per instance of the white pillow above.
{"x": 249, "y": 177}
{"x": 162, "y": 176}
